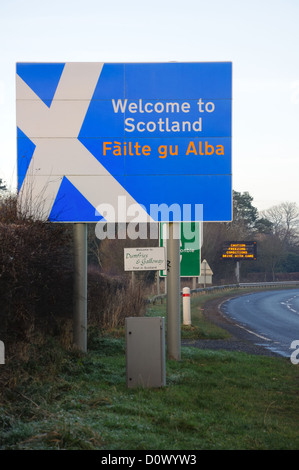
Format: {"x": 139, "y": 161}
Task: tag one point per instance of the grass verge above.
{"x": 212, "y": 400}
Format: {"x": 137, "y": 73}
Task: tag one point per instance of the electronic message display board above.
{"x": 239, "y": 250}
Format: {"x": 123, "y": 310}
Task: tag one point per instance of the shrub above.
{"x": 36, "y": 284}
{"x": 35, "y": 279}
{"x": 111, "y": 300}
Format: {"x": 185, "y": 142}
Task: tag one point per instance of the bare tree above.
{"x": 285, "y": 222}
{"x": 3, "y": 186}
{"x": 271, "y": 252}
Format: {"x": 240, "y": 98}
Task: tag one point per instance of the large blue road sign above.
{"x": 98, "y": 141}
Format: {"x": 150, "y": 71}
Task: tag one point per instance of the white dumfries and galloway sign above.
{"x": 144, "y": 259}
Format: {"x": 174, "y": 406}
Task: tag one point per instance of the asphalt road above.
{"x": 271, "y": 317}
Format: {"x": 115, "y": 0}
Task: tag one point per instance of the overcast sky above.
{"x": 260, "y": 38}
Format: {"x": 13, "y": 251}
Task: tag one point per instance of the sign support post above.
{"x": 158, "y": 282}
{"x": 205, "y": 272}
{"x": 80, "y": 286}
{"x": 238, "y": 271}
{"x": 173, "y": 305}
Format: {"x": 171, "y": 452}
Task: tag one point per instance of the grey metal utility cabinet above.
{"x": 145, "y": 352}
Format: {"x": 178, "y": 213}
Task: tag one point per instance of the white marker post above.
{"x": 186, "y": 306}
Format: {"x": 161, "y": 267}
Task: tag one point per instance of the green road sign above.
{"x": 190, "y": 248}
